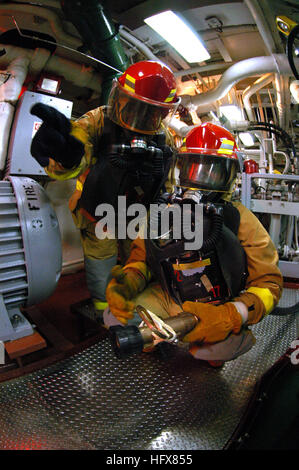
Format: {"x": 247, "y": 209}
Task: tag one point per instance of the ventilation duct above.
{"x": 100, "y": 37}
{"x": 277, "y": 63}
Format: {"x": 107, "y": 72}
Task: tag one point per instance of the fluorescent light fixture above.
{"x": 179, "y": 35}
{"x": 231, "y": 112}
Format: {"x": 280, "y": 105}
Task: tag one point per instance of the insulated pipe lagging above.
{"x": 277, "y": 63}
{"x": 179, "y": 127}
{"x": 17, "y": 68}
{"x": 39, "y": 59}
{"x": 252, "y": 89}
{"x": 9, "y": 93}
{"x": 283, "y": 100}
{"x": 256, "y": 10}
{"x": 45, "y": 13}
{"x": 139, "y": 44}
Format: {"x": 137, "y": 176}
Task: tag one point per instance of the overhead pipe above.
{"x": 262, "y": 25}
{"x": 294, "y": 89}
{"x": 47, "y": 3}
{"x": 49, "y": 15}
{"x": 41, "y": 59}
{"x": 93, "y": 23}
{"x": 136, "y": 42}
{"x": 252, "y": 89}
{"x": 180, "y": 128}
{"x": 243, "y": 69}
{"x": 99, "y": 35}
{"x": 57, "y": 28}
{"x": 283, "y": 100}
{"x": 18, "y": 63}
{"x": 9, "y": 93}
{"x": 202, "y": 68}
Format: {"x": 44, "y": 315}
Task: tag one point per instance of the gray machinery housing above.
{"x": 30, "y": 252}
{"x": 19, "y": 159}
{"x": 280, "y": 201}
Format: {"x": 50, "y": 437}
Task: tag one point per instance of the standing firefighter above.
{"x": 123, "y": 149}
{"x": 229, "y": 283}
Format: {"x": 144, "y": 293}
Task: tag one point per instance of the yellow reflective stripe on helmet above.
{"x": 129, "y": 83}
{"x": 265, "y": 295}
{"x": 98, "y": 305}
{"x": 224, "y": 150}
{"x": 226, "y": 146}
{"x": 183, "y": 146}
{"x": 228, "y": 142}
{"x": 170, "y": 96}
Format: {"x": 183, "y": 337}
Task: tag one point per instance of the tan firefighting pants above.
{"x": 99, "y": 258}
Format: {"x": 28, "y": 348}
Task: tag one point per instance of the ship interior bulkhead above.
{"x": 62, "y": 385}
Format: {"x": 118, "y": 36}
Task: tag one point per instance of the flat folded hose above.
{"x": 280, "y": 311}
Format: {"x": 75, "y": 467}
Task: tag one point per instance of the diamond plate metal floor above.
{"x": 95, "y": 401}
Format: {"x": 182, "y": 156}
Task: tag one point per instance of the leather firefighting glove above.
{"x": 123, "y": 287}
{"x": 54, "y": 138}
{"x": 215, "y": 322}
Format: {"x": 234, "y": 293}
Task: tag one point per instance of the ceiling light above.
{"x": 179, "y": 35}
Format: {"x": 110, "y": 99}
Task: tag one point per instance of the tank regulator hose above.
{"x": 281, "y": 311}
{"x": 216, "y": 229}
{"x": 121, "y": 162}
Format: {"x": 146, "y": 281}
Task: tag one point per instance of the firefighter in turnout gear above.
{"x": 231, "y": 282}
{"x": 122, "y": 149}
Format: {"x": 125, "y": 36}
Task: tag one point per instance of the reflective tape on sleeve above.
{"x": 265, "y": 295}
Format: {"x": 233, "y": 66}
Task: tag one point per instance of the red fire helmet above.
{"x": 207, "y": 159}
{"x": 143, "y": 96}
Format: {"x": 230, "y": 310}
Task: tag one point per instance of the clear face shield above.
{"x": 205, "y": 171}
{"x": 141, "y": 114}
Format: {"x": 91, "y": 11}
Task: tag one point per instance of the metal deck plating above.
{"x": 95, "y": 401}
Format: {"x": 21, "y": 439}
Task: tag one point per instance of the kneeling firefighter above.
{"x": 122, "y": 149}
{"x": 230, "y": 282}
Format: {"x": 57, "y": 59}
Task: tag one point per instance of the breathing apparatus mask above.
{"x": 147, "y": 155}
{"x": 141, "y": 102}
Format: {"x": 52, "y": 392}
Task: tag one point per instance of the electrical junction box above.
{"x": 19, "y": 159}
